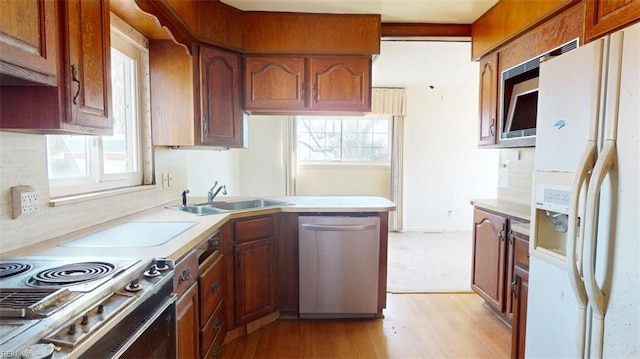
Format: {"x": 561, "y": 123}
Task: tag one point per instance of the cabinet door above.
{"x": 489, "y": 258}
{"x": 255, "y": 280}
{"x": 221, "y": 116}
{"x": 274, "y": 83}
{"x": 340, "y": 84}
{"x": 605, "y": 16}
{"x": 88, "y": 72}
{"x": 172, "y": 94}
{"x": 487, "y": 135}
{"x": 520, "y": 296}
{"x": 29, "y": 40}
{"x": 188, "y": 324}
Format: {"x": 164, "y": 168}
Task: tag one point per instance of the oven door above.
{"x": 148, "y": 332}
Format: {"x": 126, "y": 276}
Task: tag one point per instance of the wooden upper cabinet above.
{"x": 300, "y": 85}
{"x": 172, "y": 94}
{"x": 197, "y": 101}
{"x": 274, "y": 83}
{"x": 340, "y": 84}
{"x": 488, "y": 114}
{"x": 29, "y": 41}
{"x": 221, "y": 115}
{"x": 605, "y": 16}
{"x": 88, "y": 71}
{"x": 81, "y": 101}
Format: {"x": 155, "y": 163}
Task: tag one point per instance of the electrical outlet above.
{"x": 165, "y": 180}
{"x": 170, "y": 181}
{"x": 25, "y": 200}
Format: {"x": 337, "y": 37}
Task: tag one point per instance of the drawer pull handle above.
{"x": 185, "y": 276}
{"x": 215, "y": 286}
{"x": 217, "y": 324}
{"x": 217, "y": 350}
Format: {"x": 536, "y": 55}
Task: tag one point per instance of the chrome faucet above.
{"x": 213, "y": 192}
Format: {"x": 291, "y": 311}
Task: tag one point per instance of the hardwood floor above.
{"x": 439, "y": 325}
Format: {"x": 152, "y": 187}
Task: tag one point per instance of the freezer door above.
{"x": 568, "y": 107}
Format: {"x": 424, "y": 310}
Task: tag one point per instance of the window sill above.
{"x": 338, "y": 164}
{"x": 63, "y": 201}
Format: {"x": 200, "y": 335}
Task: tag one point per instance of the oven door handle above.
{"x": 159, "y": 311}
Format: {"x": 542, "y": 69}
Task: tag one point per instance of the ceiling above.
{"x": 404, "y": 11}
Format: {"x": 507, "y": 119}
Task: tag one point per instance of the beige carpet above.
{"x": 429, "y": 262}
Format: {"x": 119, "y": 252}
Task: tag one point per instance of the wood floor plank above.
{"x": 436, "y": 325}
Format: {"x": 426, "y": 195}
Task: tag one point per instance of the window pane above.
{"x": 117, "y": 149}
{"x": 343, "y": 139}
{"x": 68, "y": 156}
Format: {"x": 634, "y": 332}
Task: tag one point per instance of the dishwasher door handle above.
{"x": 338, "y": 228}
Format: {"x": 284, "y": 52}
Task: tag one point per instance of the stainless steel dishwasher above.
{"x": 339, "y": 258}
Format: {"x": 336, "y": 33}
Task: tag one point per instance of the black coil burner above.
{"x": 70, "y": 274}
{"x": 11, "y": 269}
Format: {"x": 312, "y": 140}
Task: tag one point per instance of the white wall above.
{"x": 443, "y": 168}
{"x": 206, "y": 166}
{"x": 338, "y": 180}
{"x": 262, "y": 165}
{"x": 256, "y": 171}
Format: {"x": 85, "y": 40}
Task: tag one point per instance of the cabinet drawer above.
{"x": 252, "y": 229}
{"x": 216, "y": 324}
{"x": 211, "y": 289}
{"x": 216, "y": 347}
{"x": 185, "y": 273}
{"x": 521, "y": 250}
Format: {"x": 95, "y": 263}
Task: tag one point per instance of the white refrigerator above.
{"x": 584, "y": 278}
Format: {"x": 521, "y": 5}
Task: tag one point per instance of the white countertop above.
{"x": 203, "y": 226}
{"x": 514, "y": 209}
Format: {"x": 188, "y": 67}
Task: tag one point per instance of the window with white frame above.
{"x": 343, "y": 139}
{"x": 82, "y": 164}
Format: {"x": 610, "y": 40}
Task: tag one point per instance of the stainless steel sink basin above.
{"x": 240, "y": 205}
{"x": 205, "y": 208}
{"x": 199, "y": 209}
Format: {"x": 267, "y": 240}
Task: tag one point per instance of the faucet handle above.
{"x": 224, "y": 190}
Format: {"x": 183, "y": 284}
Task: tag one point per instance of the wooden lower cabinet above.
{"x": 500, "y": 271}
{"x": 213, "y": 320}
{"x": 255, "y": 289}
{"x": 254, "y": 268}
{"x": 188, "y": 323}
{"x": 187, "y": 306}
{"x": 488, "y": 264}
{"x": 519, "y": 324}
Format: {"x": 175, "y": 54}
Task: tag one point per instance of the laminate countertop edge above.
{"x": 513, "y": 209}
{"x": 204, "y": 226}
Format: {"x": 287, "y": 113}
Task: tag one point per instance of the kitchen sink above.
{"x": 198, "y": 209}
{"x": 240, "y": 205}
{"x": 223, "y": 207}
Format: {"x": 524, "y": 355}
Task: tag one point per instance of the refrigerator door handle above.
{"x": 574, "y": 253}
{"x": 595, "y": 295}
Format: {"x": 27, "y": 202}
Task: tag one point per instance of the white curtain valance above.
{"x": 389, "y": 101}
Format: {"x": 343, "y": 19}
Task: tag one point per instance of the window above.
{"x": 343, "y": 139}
{"x": 81, "y": 164}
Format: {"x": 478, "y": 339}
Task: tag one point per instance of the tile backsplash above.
{"x": 515, "y": 176}
{"x": 23, "y": 162}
